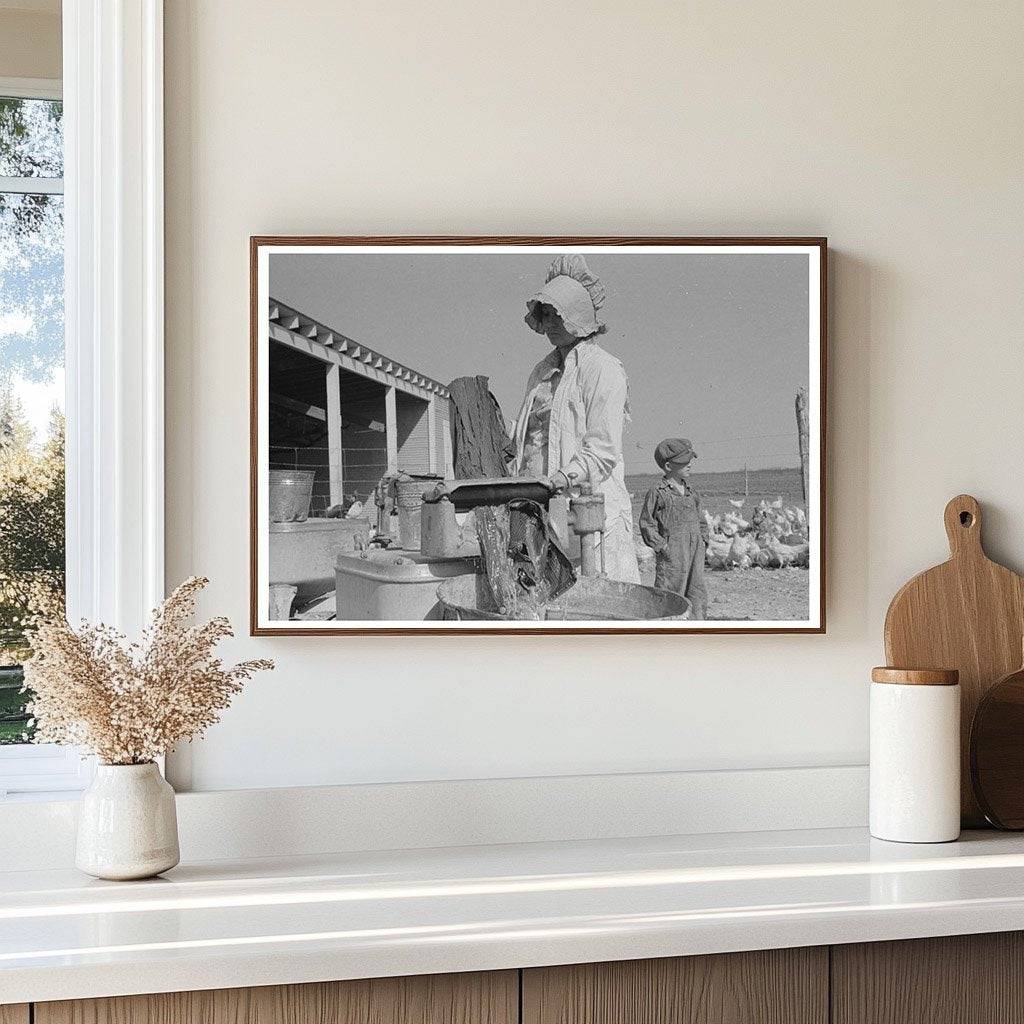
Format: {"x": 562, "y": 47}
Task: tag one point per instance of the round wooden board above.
{"x": 967, "y": 614}
{"x": 997, "y": 752}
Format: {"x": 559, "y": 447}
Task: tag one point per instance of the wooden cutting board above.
{"x": 967, "y": 614}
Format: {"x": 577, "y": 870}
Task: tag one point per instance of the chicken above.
{"x": 783, "y": 555}
{"x": 743, "y": 551}
{"x": 776, "y": 536}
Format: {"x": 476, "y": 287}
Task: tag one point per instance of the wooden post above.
{"x": 481, "y": 443}
{"x": 391, "y": 429}
{"x": 334, "y": 442}
{"x": 803, "y": 438}
{"x": 432, "y": 433}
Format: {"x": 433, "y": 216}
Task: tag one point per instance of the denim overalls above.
{"x": 672, "y": 525}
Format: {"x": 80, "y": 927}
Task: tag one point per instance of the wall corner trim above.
{"x": 114, "y": 309}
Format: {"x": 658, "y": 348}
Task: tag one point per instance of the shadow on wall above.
{"x": 856, "y": 292}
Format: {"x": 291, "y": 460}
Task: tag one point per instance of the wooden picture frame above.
{"x": 307, "y": 335}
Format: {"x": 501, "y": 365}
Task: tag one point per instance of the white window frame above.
{"x": 114, "y": 324}
{"x": 32, "y": 88}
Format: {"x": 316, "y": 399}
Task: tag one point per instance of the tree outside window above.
{"x": 32, "y": 556}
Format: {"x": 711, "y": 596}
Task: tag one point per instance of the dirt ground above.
{"x": 758, "y": 594}
{"x": 752, "y": 594}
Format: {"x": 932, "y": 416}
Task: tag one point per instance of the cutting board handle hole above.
{"x": 962, "y": 519}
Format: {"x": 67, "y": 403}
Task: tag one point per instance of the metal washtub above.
{"x": 590, "y": 599}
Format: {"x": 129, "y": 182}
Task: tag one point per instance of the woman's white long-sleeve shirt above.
{"x": 584, "y": 439}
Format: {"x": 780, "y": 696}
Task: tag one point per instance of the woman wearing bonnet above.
{"x": 569, "y": 427}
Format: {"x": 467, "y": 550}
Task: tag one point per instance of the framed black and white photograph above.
{"x": 537, "y": 435}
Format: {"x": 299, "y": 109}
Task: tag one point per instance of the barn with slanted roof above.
{"x": 348, "y": 412}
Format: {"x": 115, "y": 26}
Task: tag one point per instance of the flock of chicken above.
{"x": 774, "y": 537}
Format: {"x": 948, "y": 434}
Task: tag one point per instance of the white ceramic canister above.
{"x": 915, "y": 755}
{"x": 127, "y": 824}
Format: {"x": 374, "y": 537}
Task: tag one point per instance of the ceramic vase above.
{"x": 127, "y": 825}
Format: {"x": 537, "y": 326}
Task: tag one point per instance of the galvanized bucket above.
{"x": 290, "y": 494}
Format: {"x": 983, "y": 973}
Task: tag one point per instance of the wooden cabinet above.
{"x": 490, "y": 998}
{"x": 970, "y": 979}
{"x": 777, "y": 986}
{"x": 962, "y": 979}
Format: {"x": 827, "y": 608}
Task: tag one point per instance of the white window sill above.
{"x": 44, "y": 771}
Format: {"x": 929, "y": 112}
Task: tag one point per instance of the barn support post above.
{"x": 432, "y": 432}
{"x": 334, "y": 441}
{"x": 446, "y": 445}
{"x": 391, "y": 428}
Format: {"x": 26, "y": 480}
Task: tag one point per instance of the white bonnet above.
{"x": 574, "y": 292}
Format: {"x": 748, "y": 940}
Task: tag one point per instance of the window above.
{"x": 91, "y": 171}
{"x": 32, "y": 548}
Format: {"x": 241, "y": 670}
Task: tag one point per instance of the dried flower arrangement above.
{"x": 130, "y": 703}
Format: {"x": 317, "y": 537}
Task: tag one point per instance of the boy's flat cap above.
{"x": 674, "y": 449}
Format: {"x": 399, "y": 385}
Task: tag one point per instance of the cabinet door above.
{"x": 778, "y": 986}
{"x": 962, "y": 979}
{"x": 14, "y": 1013}
{"x": 482, "y": 998}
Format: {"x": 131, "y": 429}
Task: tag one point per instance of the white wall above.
{"x": 30, "y": 40}
{"x": 895, "y": 129}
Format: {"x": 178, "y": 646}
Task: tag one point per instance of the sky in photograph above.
{"x": 714, "y": 346}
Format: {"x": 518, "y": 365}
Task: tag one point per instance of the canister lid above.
{"x": 916, "y": 676}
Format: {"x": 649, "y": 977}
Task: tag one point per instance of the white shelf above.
{"x": 351, "y": 915}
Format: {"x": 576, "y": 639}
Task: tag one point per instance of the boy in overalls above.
{"x": 673, "y": 526}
